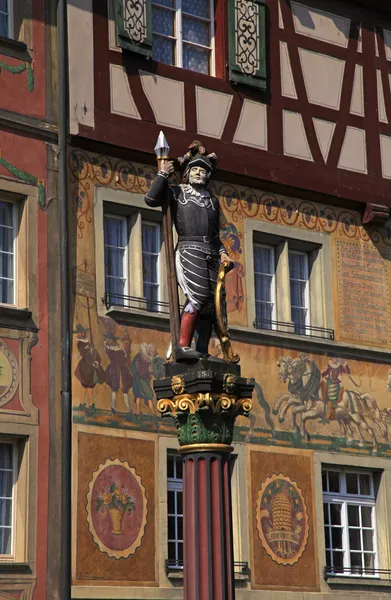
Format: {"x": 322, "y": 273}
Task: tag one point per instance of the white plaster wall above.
{"x": 81, "y": 64}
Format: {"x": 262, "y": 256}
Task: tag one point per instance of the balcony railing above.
{"x": 240, "y": 568}
{"x": 357, "y": 572}
{"x": 289, "y": 327}
{"x": 134, "y": 302}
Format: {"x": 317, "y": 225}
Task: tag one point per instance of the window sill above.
{"x": 365, "y": 582}
{"x": 14, "y": 49}
{"x": 305, "y": 343}
{"x": 11, "y": 568}
{"x": 20, "y": 318}
{"x": 134, "y": 316}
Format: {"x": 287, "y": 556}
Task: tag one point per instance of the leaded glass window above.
{"x": 183, "y": 34}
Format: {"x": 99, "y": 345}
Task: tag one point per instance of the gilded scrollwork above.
{"x": 192, "y": 403}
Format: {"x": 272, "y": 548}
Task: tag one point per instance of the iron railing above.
{"x": 357, "y": 572}
{"x": 240, "y": 568}
{"x": 134, "y": 302}
{"x": 289, "y": 327}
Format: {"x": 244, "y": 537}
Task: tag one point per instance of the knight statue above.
{"x": 196, "y": 216}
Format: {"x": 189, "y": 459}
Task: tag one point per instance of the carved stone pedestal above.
{"x": 204, "y": 399}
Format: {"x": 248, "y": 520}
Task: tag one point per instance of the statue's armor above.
{"x": 196, "y": 215}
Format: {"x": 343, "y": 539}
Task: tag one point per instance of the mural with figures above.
{"x": 301, "y": 399}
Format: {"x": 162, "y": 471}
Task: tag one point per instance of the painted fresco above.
{"x": 282, "y": 520}
{"x": 301, "y": 399}
{"x": 116, "y": 537}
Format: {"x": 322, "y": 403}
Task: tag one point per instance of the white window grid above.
{"x": 6, "y": 19}
{"x": 3, "y": 498}
{"x": 123, "y": 277}
{"x": 344, "y": 500}
{"x": 303, "y": 309}
{"x": 175, "y": 509}
{"x": 260, "y": 302}
{"x": 178, "y": 37}
{"x": 151, "y": 286}
{"x": 11, "y": 299}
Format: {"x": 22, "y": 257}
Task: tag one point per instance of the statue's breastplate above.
{"x": 196, "y": 214}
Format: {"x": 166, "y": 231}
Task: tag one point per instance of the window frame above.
{"x": 10, "y": 557}
{"x": 284, "y": 238}
{"x": 24, "y": 197}
{"x": 178, "y": 37}
{"x": 174, "y": 484}
{"x": 158, "y": 227}
{"x": 15, "y": 215}
{"x": 307, "y": 306}
{"x": 346, "y": 499}
{"x": 273, "y": 285}
{"x": 126, "y": 253}
{"x": 132, "y": 206}
{"x": 10, "y": 19}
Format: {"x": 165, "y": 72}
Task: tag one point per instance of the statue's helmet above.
{"x": 206, "y": 162}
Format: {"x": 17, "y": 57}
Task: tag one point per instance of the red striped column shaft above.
{"x": 207, "y": 518}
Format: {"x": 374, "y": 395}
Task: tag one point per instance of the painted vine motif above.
{"x": 237, "y": 202}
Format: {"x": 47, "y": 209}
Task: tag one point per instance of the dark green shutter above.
{"x": 134, "y": 25}
{"x": 247, "y": 42}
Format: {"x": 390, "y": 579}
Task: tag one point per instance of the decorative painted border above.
{"x": 265, "y": 544}
{"x": 137, "y": 543}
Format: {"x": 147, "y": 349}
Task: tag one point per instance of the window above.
{"x": 349, "y": 522}
{"x": 292, "y": 282}
{"x": 126, "y": 266}
{"x": 299, "y": 287}
{"x": 7, "y": 481}
{"x": 175, "y": 510}
{"x": 264, "y": 276}
{"x": 182, "y": 34}
{"x": 7, "y": 252}
{"x": 6, "y": 18}
{"x": 150, "y": 237}
{"x": 116, "y": 256}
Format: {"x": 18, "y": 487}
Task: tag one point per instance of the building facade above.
{"x": 295, "y": 100}
{"x": 28, "y": 397}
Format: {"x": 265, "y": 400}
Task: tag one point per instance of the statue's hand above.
{"x": 167, "y": 166}
{"x": 226, "y": 261}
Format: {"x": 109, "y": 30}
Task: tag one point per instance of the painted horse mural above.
{"x": 355, "y": 412}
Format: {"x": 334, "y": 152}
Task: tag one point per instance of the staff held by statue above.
{"x": 162, "y": 150}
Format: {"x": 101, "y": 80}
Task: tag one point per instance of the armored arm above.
{"x": 156, "y": 195}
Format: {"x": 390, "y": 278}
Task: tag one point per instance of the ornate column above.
{"x": 204, "y": 399}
